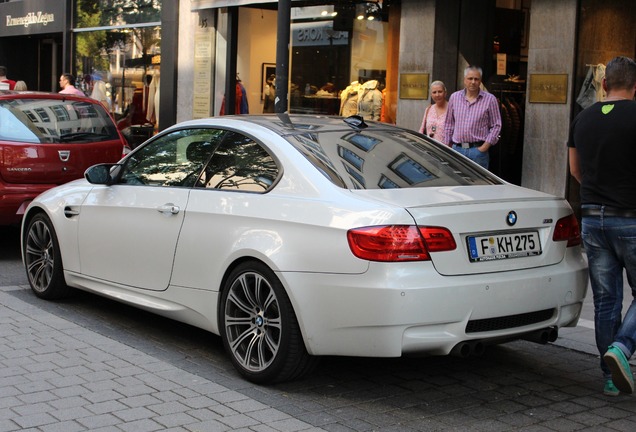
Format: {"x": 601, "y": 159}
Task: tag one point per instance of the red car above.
{"x": 47, "y": 139}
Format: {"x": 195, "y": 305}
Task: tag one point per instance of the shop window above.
{"x": 338, "y": 58}
{"x": 118, "y": 57}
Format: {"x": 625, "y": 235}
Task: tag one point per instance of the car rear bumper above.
{"x": 393, "y": 310}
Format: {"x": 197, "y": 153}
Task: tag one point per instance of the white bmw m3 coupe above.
{"x": 295, "y": 237}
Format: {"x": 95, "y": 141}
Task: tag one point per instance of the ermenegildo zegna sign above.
{"x": 32, "y": 17}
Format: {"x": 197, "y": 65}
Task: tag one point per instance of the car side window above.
{"x": 176, "y": 159}
{"x": 240, "y": 164}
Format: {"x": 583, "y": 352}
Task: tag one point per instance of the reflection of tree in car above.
{"x": 242, "y": 164}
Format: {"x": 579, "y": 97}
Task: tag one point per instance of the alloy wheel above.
{"x": 39, "y": 255}
{"x": 253, "y": 322}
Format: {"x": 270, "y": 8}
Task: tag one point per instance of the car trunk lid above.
{"x": 496, "y": 228}
{"x": 53, "y": 163}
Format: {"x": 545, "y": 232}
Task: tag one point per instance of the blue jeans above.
{"x": 474, "y": 154}
{"x": 610, "y": 244}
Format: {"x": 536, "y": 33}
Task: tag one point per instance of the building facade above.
{"x": 173, "y": 60}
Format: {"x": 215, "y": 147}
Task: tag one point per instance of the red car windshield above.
{"x": 54, "y": 121}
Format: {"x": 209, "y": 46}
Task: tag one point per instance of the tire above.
{"x": 259, "y": 328}
{"x": 43, "y": 260}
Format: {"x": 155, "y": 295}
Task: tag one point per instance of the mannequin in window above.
{"x": 370, "y": 101}
{"x": 269, "y": 98}
{"x": 349, "y": 100}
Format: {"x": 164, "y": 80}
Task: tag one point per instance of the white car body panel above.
{"x": 118, "y": 234}
{"x": 390, "y": 311}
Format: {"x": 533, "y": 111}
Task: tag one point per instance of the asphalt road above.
{"x": 11, "y": 269}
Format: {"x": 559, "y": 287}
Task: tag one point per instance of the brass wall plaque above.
{"x": 548, "y": 88}
{"x": 414, "y": 86}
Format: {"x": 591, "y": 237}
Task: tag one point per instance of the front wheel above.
{"x": 43, "y": 260}
{"x": 259, "y": 327}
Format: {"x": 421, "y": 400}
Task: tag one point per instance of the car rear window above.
{"x": 54, "y": 121}
{"x": 386, "y": 159}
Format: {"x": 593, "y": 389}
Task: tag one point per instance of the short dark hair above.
{"x": 3, "y": 71}
{"x": 70, "y": 78}
{"x": 620, "y": 73}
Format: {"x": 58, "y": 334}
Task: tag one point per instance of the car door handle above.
{"x": 169, "y": 208}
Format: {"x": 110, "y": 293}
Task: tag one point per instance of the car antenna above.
{"x": 284, "y": 117}
{"x": 356, "y": 122}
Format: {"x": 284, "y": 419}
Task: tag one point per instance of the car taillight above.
{"x": 567, "y": 229}
{"x": 399, "y": 242}
{"x": 438, "y": 239}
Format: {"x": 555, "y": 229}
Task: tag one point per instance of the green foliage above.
{"x": 117, "y": 12}
{"x": 93, "y": 47}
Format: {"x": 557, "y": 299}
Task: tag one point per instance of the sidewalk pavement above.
{"x": 93, "y": 365}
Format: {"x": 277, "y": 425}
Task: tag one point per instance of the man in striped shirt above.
{"x": 473, "y": 120}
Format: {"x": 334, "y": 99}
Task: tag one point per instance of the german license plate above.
{"x": 503, "y": 246}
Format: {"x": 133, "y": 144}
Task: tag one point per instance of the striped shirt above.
{"x": 470, "y": 122}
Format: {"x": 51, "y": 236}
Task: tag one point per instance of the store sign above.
{"x": 414, "y": 86}
{"x": 32, "y": 17}
{"x": 548, "y": 88}
{"x": 317, "y": 35}
{"x": 38, "y": 17}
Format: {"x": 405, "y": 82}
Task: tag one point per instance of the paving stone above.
{"x": 63, "y": 426}
{"x": 34, "y": 420}
{"x": 99, "y": 421}
{"x": 174, "y": 420}
{"x": 132, "y": 414}
{"x": 140, "y": 401}
{"x": 69, "y": 414}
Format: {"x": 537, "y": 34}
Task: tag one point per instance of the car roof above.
{"x": 285, "y": 124}
{"x": 12, "y": 94}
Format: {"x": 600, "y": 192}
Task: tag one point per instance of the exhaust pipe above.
{"x": 478, "y": 348}
{"x": 468, "y": 348}
{"x": 542, "y": 336}
{"x": 462, "y": 350}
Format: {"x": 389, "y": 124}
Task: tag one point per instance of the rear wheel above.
{"x": 259, "y": 328}
{"x": 43, "y": 260}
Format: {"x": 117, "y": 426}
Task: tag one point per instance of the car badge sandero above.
{"x": 64, "y": 155}
{"x": 511, "y": 219}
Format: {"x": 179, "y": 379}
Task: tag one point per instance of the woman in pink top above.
{"x": 435, "y": 115}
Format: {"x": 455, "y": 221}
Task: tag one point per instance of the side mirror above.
{"x": 99, "y": 174}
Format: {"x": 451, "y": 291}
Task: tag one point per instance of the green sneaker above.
{"x": 621, "y": 371}
{"x": 610, "y": 389}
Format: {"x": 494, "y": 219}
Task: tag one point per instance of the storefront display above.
{"x": 330, "y": 47}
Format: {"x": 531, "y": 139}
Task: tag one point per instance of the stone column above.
{"x": 417, "y": 35}
{"x": 551, "y": 51}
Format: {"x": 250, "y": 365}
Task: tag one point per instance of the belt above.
{"x": 469, "y": 145}
{"x": 606, "y": 211}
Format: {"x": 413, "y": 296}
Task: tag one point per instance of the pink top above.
{"x": 434, "y": 124}
{"x": 72, "y": 90}
{"x": 479, "y": 120}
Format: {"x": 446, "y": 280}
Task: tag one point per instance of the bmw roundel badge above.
{"x": 511, "y": 219}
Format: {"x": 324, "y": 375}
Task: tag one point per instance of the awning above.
{"x": 144, "y": 60}
{"x": 208, "y": 4}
